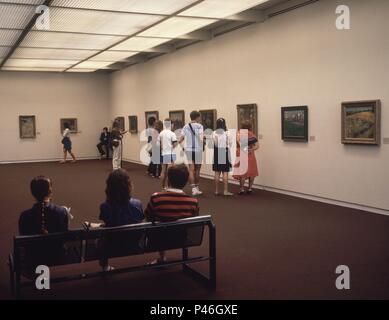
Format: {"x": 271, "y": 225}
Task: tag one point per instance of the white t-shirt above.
{"x": 193, "y": 142}
{"x": 222, "y": 139}
{"x": 166, "y": 139}
{"x": 66, "y": 133}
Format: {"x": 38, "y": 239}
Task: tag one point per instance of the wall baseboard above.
{"x": 301, "y": 195}
{"x": 44, "y": 160}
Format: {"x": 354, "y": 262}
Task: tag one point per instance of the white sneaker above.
{"x": 108, "y": 268}
{"x": 196, "y": 191}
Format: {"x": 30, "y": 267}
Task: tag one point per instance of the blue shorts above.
{"x": 67, "y": 144}
{"x": 168, "y": 159}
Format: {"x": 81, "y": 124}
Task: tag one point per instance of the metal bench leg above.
{"x": 185, "y": 254}
{"x": 212, "y": 255}
{"x": 18, "y": 285}
{"x": 11, "y": 274}
{"x": 18, "y": 275}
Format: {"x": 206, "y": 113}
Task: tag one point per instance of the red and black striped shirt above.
{"x": 170, "y": 206}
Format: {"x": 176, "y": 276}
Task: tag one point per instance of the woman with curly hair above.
{"x": 120, "y": 208}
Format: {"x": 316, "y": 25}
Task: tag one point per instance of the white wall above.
{"x": 50, "y": 97}
{"x": 297, "y": 58}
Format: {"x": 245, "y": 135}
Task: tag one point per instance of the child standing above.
{"x": 167, "y": 140}
{"x": 222, "y": 157}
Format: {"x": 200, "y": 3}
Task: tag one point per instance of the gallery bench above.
{"x": 79, "y": 246}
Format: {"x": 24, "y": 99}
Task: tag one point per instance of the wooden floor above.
{"x": 269, "y": 246}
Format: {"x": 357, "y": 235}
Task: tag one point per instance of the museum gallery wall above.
{"x": 33, "y": 104}
{"x": 293, "y": 60}
{"x": 288, "y": 61}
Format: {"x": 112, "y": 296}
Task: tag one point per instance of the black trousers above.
{"x": 101, "y": 150}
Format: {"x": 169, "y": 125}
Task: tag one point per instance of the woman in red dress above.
{"x": 246, "y": 164}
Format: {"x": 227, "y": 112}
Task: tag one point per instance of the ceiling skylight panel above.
{"x": 113, "y": 56}
{"x": 140, "y": 6}
{"x": 9, "y": 37}
{"x": 33, "y": 69}
{"x": 176, "y": 27}
{"x": 81, "y": 70}
{"x": 93, "y": 65}
{"x": 35, "y": 63}
{"x": 32, "y": 2}
{"x": 3, "y": 52}
{"x": 140, "y": 44}
{"x": 68, "y": 40}
{"x": 99, "y": 22}
{"x": 15, "y": 16}
{"x": 221, "y": 8}
{"x": 39, "y": 53}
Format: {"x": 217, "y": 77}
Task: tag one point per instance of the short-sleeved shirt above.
{"x": 66, "y": 133}
{"x": 56, "y": 220}
{"x": 121, "y": 215}
{"x": 171, "y": 205}
{"x": 152, "y": 135}
{"x": 193, "y": 142}
{"x": 166, "y": 139}
{"x": 222, "y": 139}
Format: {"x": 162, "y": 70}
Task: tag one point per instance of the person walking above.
{"x": 67, "y": 144}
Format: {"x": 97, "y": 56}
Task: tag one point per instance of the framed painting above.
{"x": 149, "y": 114}
{"x": 208, "y": 119}
{"x": 177, "y": 118}
{"x": 133, "y": 121}
{"x": 27, "y": 127}
{"x": 294, "y": 124}
{"x": 248, "y": 112}
{"x": 361, "y": 122}
{"x": 121, "y": 122}
{"x": 72, "y": 122}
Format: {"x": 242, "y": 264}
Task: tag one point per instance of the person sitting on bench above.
{"x": 104, "y": 141}
{"x": 120, "y": 208}
{"x": 44, "y": 217}
{"x": 172, "y": 204}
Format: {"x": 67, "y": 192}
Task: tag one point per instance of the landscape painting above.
{"x": 208, "y": 119}
{"x": 248, "y": 112}
{"x": 294, "y": 123}
{"x": 133, "y": 121}
{"x": 149, "y": 114}
{"x": 178, "y": 119}
{"x": 361, "y": 122}
{"x": 72, "y": 122}
{"x": 27, "y": 127}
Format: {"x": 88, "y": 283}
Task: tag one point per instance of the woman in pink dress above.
{"x": 246, "y": 164}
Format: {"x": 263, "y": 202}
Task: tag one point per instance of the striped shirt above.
{"x": 171, "y": 205}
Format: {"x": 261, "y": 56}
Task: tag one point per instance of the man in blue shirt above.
{"x": 193, "y": 134}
